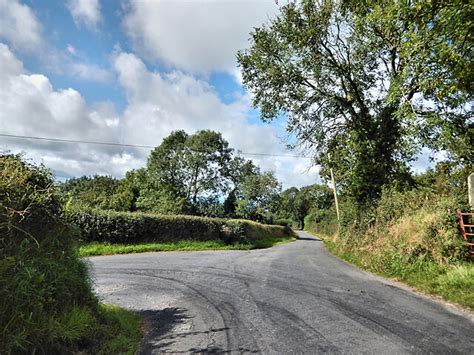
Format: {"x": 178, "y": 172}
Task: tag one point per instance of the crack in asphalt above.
{"x": 293, "y": 298}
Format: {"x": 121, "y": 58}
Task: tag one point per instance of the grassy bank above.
{"x": 453, "y": 282}
{"x": 120, "y": 331}
{"x": 184, "y": 245}
{"x": 46, "y": 301}
{"x": 412, "y": 237}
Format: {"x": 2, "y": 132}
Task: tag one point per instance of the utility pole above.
{"x": 333, "y": 187}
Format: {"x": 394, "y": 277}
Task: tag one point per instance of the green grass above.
{"x": 121, "y": 331}
{"x": 108, "y": 330}
{"x": 183, "y": 245}
{"x": 453, "y": 282}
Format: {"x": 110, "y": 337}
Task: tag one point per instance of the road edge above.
{"x": 447, "y": 305}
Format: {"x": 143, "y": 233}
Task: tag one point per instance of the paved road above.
{"x": 293, "y": 298}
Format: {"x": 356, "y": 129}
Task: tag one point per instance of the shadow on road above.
{"x": 160, "y": 337}
{"x": 312, "y": 239}
{"x": 159, "y": 323}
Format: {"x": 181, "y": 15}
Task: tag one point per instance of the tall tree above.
{"x": 349, "y": 75}
{"x": 431, "y": 46}
{"x": 128, "y": 191}
{"x": 89, "y": 191}
{"x": 164, "y": 190}
{"x": 186, "y": 170}
{"x": 208, "y": 156}
{"x": 257, "y": 193}
{"x": 286, "y": 207}
{"x": 297, "y": 203}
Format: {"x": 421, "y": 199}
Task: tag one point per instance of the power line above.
{"x": 59, "y": 140}
{"x": 74, "y": 141}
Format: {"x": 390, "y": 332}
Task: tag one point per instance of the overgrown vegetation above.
{"x": 294, "y": 205}
{"x": 47, "y": 305}
{"x": 368, "y": 82}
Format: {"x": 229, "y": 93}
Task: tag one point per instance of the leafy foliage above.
{"x": 46, "y": 301}
{"x": 185, "y": 174}
{"x": 128, "y": 190}
{"x": 185, "y": 170}
{"x": 124, "y": 227}
{"x": 257, "y": 192}
{"x": 356, "y": 78}
{"x": 298, "y": 203}
{"x": 89, "y": 192}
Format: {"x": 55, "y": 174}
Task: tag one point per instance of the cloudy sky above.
{"x": 130, "y": 72}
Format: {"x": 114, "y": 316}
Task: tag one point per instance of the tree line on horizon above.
{"x": 195, "y": 174}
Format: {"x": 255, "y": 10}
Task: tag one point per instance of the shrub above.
{"x": 46, "y": 303}
{"x": 415, "y": 223}
{"x": 127, "y": 227}
{"x": 255, "y": 231}
{"x": 285, "y": 222}
{"x": 322, "y": 222}
{"x": 41, "y": 276}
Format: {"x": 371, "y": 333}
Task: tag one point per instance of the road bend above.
{"x": 292, "y": 298}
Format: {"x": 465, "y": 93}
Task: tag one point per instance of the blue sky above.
{"x": 96, "y": 46}
{"x": 131, "y": 71}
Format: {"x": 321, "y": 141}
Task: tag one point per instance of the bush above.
{"x": 415, "y": 224}
{"x": 322, "y": 222}
{"x": 285, "y": 222}
{"x": 46, "y": 303}
{"x": 41, "y": 276}
{"x": 127, "y": 227}
{"x": 254, "y": 231}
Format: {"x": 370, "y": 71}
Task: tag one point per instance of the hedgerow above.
{"x": 137, "y": 227}
{"x": 46, "y": 301}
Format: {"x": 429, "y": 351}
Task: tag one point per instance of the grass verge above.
{"x": 97, "y": 248}
{"x": 120, "y": 332}
{"x": 453, "y": 282}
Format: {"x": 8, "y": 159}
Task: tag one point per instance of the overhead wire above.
{"x": 60, "y": 140}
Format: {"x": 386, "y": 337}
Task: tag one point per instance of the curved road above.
{"x": 293, "y": 298}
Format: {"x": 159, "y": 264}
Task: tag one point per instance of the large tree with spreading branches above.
{"x": 369, "y": 81}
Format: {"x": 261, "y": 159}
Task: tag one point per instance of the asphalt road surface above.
{"x": 293, "y": 298}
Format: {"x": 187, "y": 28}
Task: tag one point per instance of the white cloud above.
{"x": 75, "y": 63}
{"x": 19, "y": 26}
{"x": 29, "y": 105}
{"x": 91, "y": 72}
{"x": 160, "y": 103}
{"x": 85, "y": 12}
{"x": 71, "y": 50}
{"x": 157, "y": 103}
{"x": 195, "y": 36}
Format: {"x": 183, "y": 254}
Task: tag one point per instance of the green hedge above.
{"x": 46, "y": 301}
{"x": 127, "y": 227}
